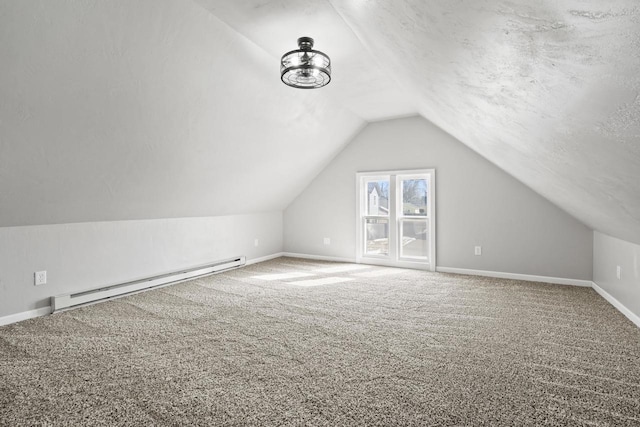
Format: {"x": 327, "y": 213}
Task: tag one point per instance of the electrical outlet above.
{"x": 256, "y": 242}
{"x": 618, "y": 271}
{"x": 478, "y": 250}
{"x": 40, "y": 278}
{"x": 327, "y": 241}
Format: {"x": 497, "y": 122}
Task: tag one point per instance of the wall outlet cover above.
{"x": 618, "y": 271}
{"x": 40, "y": 278}
{"x": 327, "y": 241}
{"x": 478, "y": 250}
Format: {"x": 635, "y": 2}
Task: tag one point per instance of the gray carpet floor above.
{"x": 298, "y": 342}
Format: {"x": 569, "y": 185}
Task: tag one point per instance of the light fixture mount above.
{"x": 305, "y": 68}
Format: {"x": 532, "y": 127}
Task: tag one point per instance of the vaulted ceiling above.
{"x": 149, "y": 109}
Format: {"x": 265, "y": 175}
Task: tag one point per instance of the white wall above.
{"x": 477, "y": 204}
{"x": 84, "y": 256}
{"x": 609, "y": 252}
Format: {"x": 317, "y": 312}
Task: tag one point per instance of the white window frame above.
{"x": 396, "y": 218}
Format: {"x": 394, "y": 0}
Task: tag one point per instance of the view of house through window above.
{"x": 377, "y": 217}
{"x": 395, "y": 220}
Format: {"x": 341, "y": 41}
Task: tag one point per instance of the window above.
{"x": 376, "y": 216}
{"x": 396, "y": 221}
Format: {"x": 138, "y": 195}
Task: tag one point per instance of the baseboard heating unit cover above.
{"x": 65, "y": 301}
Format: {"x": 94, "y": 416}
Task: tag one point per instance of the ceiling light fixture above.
{"x": 305, "y": 68}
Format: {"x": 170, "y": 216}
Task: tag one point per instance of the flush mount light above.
{"x": 305, "y": 68}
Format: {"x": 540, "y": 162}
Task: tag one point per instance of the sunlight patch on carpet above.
{"x": 320, "y": 282}
{"x": 341, "y": 268}
{"x": 381, "y": 272}
{"x": 283, "y": 276}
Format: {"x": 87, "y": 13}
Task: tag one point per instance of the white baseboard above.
{"x": 18, "y": 317}
{"x": 617, "y": 304}
{"x": 318, "y": 257}
{"x": 516, "y": 276}
{"x": 264, "y": 258}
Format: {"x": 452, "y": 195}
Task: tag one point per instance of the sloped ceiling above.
{"x": 547, "y": 90}
{"x": 148, "y": 109}
{"x": 116, "y": 110}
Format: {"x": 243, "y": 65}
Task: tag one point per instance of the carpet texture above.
{"x": 298, "y": 342}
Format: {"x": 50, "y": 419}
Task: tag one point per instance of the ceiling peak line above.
{"x": 234, "y": 29}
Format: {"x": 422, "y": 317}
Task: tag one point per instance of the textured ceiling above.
{"x": 147, "y": 109}
{"x": 547, "y": 90}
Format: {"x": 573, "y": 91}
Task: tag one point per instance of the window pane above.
{"x": 377, "y": 236}
{"x": 378, "y": 197}
{"x": 415, "y": 242}
{"x": 414, "y": 197}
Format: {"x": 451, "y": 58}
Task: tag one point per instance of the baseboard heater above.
{"x": 65, "y": 301}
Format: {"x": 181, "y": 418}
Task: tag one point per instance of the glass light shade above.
{"x": 305, "y": 68}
